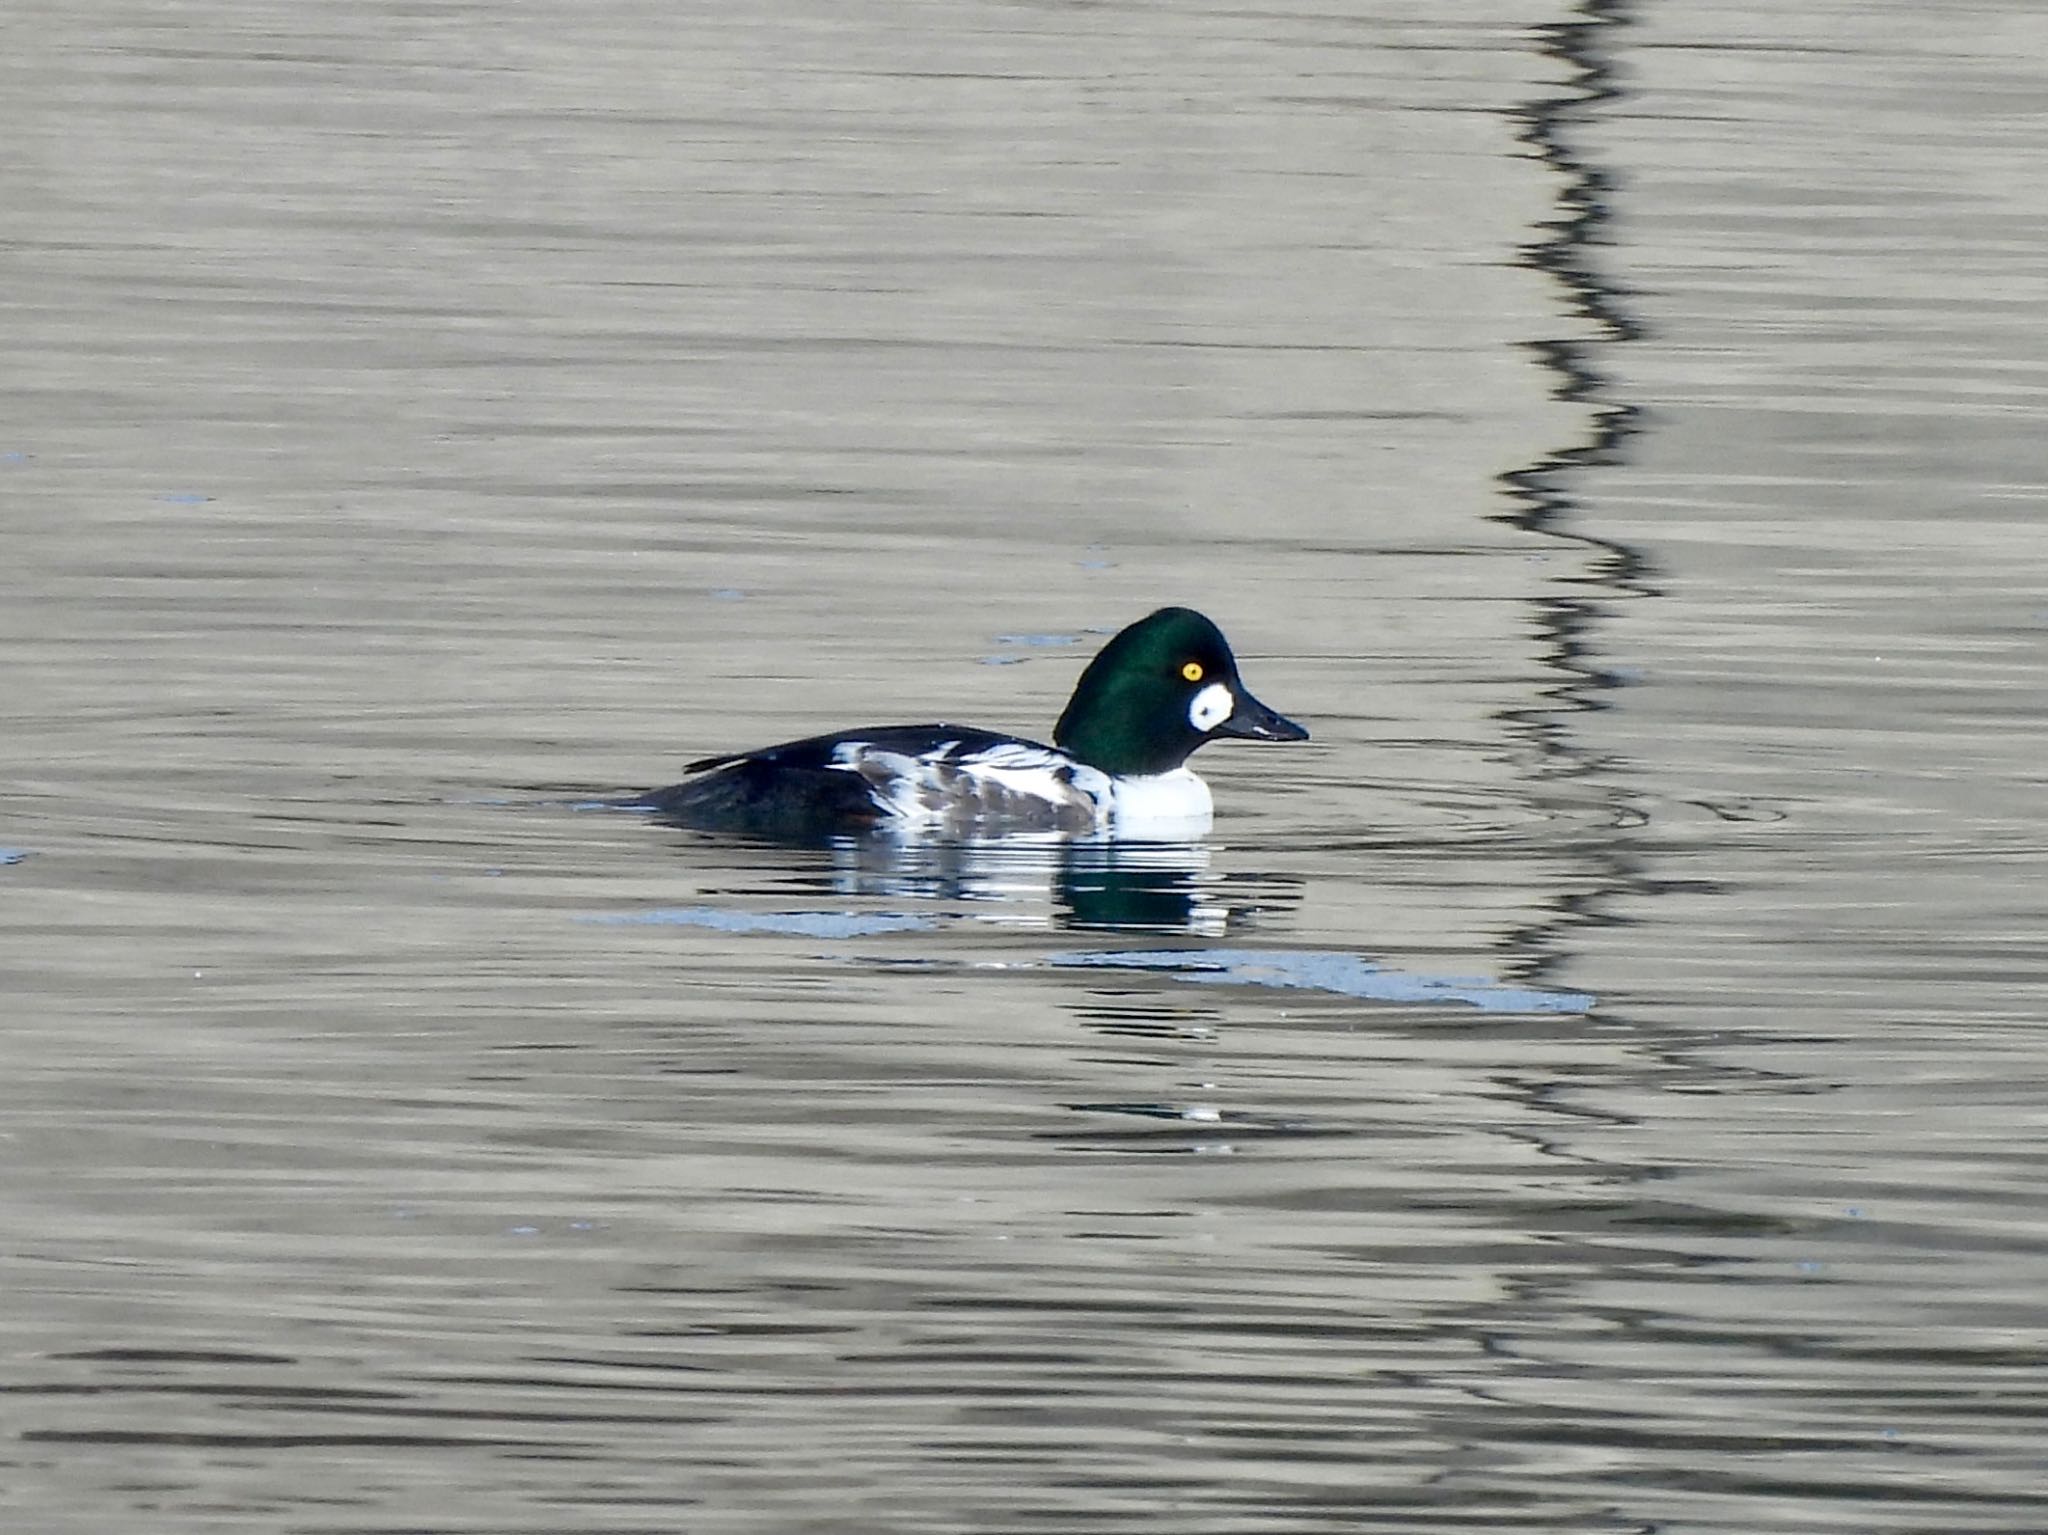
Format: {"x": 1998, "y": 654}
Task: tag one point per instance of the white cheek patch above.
{"x": 1211, "y": 707}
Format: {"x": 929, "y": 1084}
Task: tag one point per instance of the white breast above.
{"x": 1161, "y": 807}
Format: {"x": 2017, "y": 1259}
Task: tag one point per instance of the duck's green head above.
{"x": 1157, "y": 691}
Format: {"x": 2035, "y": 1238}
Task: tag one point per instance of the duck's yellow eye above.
{"x": 1192, "y": 671}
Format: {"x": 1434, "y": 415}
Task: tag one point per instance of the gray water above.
{"x": 1593, "y": 1086}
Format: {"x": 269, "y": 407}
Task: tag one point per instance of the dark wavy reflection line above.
{"x": 1566, "y": 623}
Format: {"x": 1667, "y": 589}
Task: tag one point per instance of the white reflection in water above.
{"x": 1046, "y": 878}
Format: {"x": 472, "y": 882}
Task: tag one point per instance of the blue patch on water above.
{"x": 12, "y": 855}
{"x": 1028, "y": 642}
{"x": 13, "y": 456}
{"x": 1345, "y": 975}
{"x": 804, "y": 924}
{"x": 184, "y": 498}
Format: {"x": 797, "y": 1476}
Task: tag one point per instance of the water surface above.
{"x": 1591, "y": 1086}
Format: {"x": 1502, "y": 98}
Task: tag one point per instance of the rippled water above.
{"x": 1594, "y": 1085}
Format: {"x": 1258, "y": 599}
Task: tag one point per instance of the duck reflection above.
{"x": 1040, "y": 879}
{"x": 1144, "y": 886}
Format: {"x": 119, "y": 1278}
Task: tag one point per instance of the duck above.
{"x": 1161, "y": 689}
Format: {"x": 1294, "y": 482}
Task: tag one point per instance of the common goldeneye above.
{"x": 1152, "y": 695}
